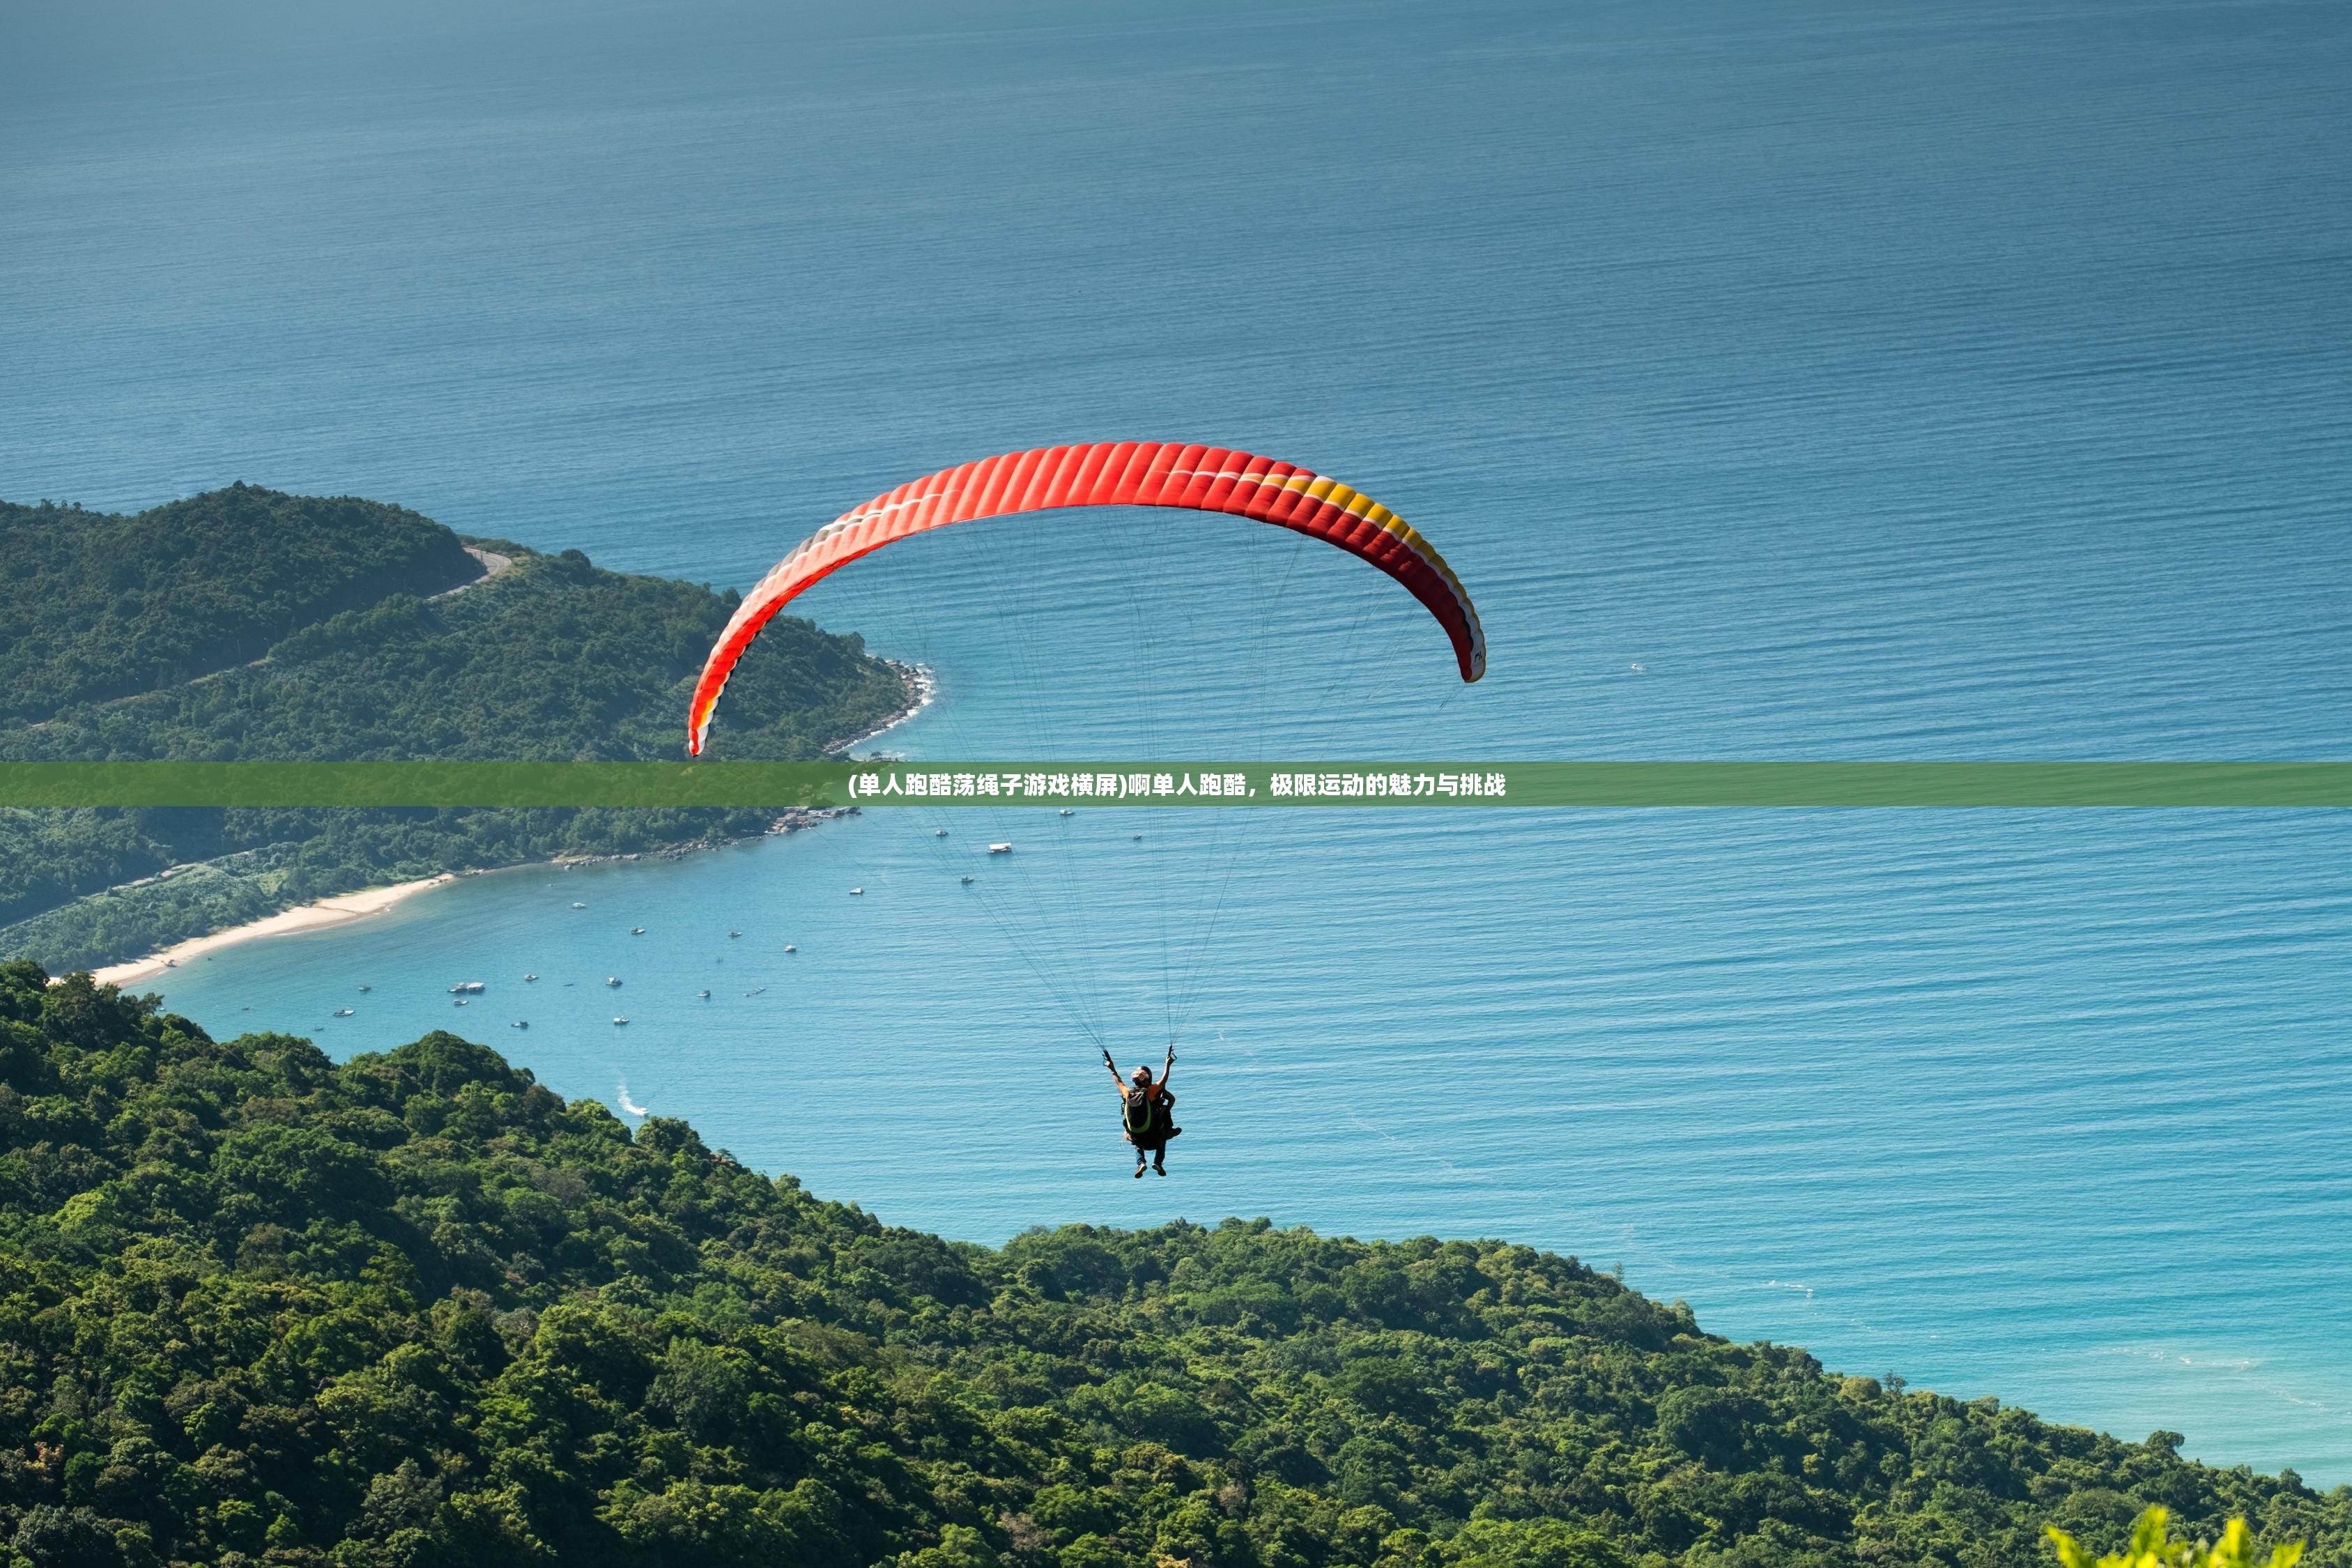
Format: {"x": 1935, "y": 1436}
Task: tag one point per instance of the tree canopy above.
{"x": 416, "y": 1309}
{"x": 2153, "y": 1546}
{"x": 97, "y": 605}
{"x": 351, "y": 657}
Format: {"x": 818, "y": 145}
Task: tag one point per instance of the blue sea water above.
{"x": 1787, "y": 380}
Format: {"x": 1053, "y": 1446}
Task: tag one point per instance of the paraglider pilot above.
{"x": 1146, "y": 1111}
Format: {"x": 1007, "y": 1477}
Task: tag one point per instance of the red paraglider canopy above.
{"x": 1105, "y": 473}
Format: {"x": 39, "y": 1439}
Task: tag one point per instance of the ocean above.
{"x": 1785, "y": 380}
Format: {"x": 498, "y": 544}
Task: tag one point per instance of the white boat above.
{"x": 618, "y": 1019}
{"x": 461, "y": 1001}
{"x": 734, "y": 933}
{"x": 343, "y": 1012}
{"x": 527, "y": 979}
{"x": 790, "y": 948}
{"x": 520, "y": 1024}
{"x": 1000, "y": 850}
{"x": 466, "y": 988}
{"x": 1067, "y": 812}
{"x": 939, "y": 833}
{"x": 612, "y": 980}
{"x": 367, "y": 987}
{"x": 857, "y": 892}
{"x": 967, "y": 881}
{"x": 579, "y": 906}
{"x": 637, "y": 931}
{"x": 704, "y": 994}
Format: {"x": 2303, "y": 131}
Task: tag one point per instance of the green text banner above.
{"x": 1129, "y": 783}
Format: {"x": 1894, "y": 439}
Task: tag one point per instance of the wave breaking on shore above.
{"x": 922, "y": 690}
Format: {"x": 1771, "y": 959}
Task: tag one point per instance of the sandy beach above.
{"x": 309, "y": 916}
{"x": 922, "y": 688}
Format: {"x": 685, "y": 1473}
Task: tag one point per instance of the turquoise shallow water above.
{"x": 1970, "y": 381}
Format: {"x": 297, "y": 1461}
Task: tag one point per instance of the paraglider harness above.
{"x": 1145, "y": 1117}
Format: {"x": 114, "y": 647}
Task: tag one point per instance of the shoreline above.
{"x": 923, "y": 689}
{"x": 341, "y": 910}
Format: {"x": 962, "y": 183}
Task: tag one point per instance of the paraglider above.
{"x": 1146, "y": 1111}
{"x": 1076, "y": 957}
{"x": 1104, "y": 473}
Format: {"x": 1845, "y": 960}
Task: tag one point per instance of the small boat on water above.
{"x": 579, "y": 906}
{"x": 612, "y": 980}
{"x": 704, "y": 994}
{"x": 520, "y": 1024}
{"x": 967, "y": 881}
{"x": 857, "y": 892}
{"x": 734, "y": 933}
{"x": 755, "y": 993}
{"x": 466, "y": 988}
{"x": 1067, "y": 812}
{"x": 790, "y": 948}
{"x": 939, "y": 833}
{"x": 367, "y": 987}
{"x": 1000, "y": 850}
{"x": 1139, "y": 839}
{"x": 637, "y": 931}
{"x": 618, "y": 1019}
{"x": 529, "y": 978}
{"x": 461, "y": 1001}
{"x": 343, "y": 1012}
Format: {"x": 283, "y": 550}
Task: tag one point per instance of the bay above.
{"x": 1796, "y": 380}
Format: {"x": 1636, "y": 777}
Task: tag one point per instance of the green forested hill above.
{"x": 95, "y": 605}
{"x": 554, "y": 658}
{"x": 416, "y": 1309}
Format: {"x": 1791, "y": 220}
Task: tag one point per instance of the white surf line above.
{"x": 923, "y": 685}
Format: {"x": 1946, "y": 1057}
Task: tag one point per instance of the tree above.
{"x": 2153, "y": 1547}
